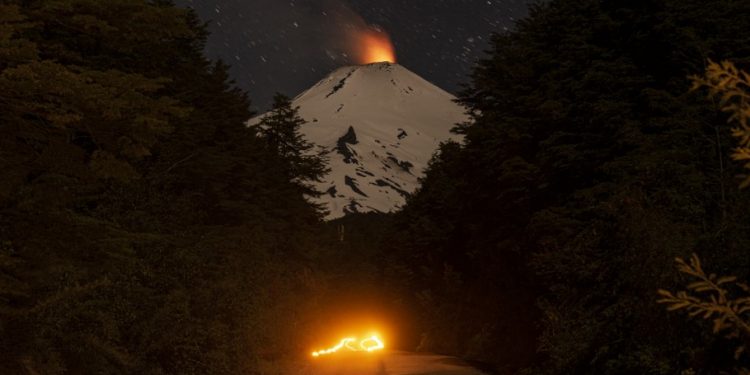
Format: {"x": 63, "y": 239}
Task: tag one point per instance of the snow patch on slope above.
{"x": 381, "y": 123}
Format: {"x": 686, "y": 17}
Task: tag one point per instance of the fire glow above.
{"x": 374, "y": 46}
{"x": 369, "y": 344}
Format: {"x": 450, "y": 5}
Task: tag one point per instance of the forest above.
{"x": 146, "y": 229}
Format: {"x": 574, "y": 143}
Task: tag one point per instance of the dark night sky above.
{"x": 288, "y": 45}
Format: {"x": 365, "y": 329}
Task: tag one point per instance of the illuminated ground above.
{"x": 390, "y": 363}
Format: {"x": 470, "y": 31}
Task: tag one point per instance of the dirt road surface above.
{"x": 390, "y": 363}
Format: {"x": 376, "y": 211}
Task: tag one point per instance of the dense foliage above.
{"x": 142, "y": 223}
{"x": 723, "y": 300}
{"x": 587, "y": 168}
{"x": 731, "y": 87}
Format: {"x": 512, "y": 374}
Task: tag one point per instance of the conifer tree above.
{"x": 304, "y": 162}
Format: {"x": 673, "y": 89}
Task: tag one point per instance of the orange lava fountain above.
{"x": 374, "y": 46}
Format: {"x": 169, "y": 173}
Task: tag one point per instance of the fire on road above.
{"x": 368, "y": 344}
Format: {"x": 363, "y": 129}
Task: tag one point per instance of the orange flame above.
{"x": 375, "y": 46}
{"x": 369, "y": 344}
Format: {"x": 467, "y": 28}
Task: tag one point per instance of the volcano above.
{"x": 381, "y": 124}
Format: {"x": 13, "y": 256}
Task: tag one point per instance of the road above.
{"x": 390, "y": 363}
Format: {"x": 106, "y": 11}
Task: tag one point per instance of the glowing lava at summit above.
{"x": 373, "y": 46}
{"x": 368, "y": 344}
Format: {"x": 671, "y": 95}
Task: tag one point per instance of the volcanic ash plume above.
{"x": 372, "y": 45}
{"x": 365, "y": 43}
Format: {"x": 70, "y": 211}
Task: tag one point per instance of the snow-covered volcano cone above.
{"x": 381, "y": 123}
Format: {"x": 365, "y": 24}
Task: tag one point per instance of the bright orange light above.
{"x": 344, "y": 343}
{"x": 376, "y": 46}
{"x": 369, "y": 344}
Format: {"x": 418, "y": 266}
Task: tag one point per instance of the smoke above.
{"x": 353, "y": 38}
{"x": 339, "y": 30}
{"x": 283, "y": 46}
